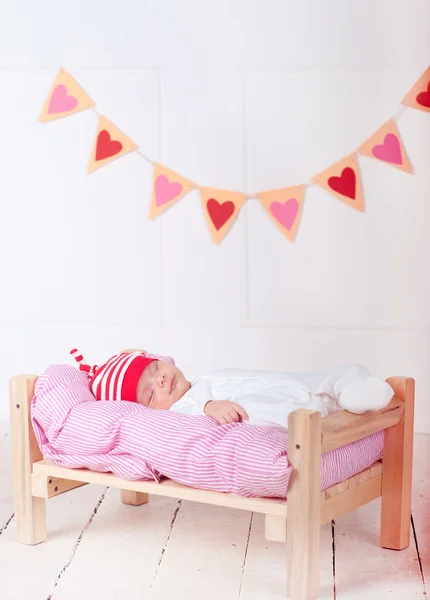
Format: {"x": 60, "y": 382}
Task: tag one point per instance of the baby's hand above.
{"x": 225, "y": 411}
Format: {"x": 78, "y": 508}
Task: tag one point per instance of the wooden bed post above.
{"x": 30, "y": 512}
{"x": 303, "y": 505}
{"x": 133, "y": 498}
{"x": 397, "y": 471}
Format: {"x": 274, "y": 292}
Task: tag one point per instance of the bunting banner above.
{"x": 284, "y": 206}
{"x": 419, "y": 96}
{"x": 221, "y": 209}
{"x": 167, "y": 188}
{"x": 110, "y": 144}
{"x": 343, "y": 181}
{"x": 65, "y": 98}
{"x": 386, "y": 145}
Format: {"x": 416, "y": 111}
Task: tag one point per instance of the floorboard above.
{"x": 205, "y": 557}
{"x": 421, "y": 504}
{"x": 363, "y": 568}
{"x": 6, "y": 502}
{"x": 30, "y": 572}
{"x": 120, "y": 553}
{"x": 265, "y": 570}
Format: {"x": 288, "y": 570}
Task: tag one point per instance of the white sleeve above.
{"x": 195, "y": 400}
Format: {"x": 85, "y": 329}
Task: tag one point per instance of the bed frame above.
{"x": 35, "y": 480}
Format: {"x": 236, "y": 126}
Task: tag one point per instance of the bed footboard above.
{"x": 308, "y": 437}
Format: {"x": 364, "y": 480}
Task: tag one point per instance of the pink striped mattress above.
{"x": 137, "y": 443}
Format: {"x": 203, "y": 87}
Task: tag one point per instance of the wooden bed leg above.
{"x": 30, "y": 512}
{"x": 303, "y": 505}
{"x": 134, "y": 498}
{"x": 397, "y": 471}
{"x": 275, "y": 528}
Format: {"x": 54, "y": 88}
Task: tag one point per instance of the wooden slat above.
{"x": 167, "y": 488}
{"x": 352, "y": 482}
{"x": 44, "y": 486}
{"x": 277, "y": 508}
{"x": 342, "y": 428}
{"x": 351, "y": 499}
{"x": 351, "y": 493}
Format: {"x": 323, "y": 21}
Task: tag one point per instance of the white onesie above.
{"x": 268, "y": 397}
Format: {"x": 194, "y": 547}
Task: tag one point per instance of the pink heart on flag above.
{"x": 285, "y": 213}
{"x": 390, "y": 150}
{"x": 60, "y": 101}
{"x": 165, "y": 191}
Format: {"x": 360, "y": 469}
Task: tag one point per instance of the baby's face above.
{"x": 161, "y": 385}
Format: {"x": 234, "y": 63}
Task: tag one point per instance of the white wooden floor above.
{"x": 98, "y": 548}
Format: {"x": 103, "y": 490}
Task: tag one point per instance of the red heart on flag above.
{"x": 219, "y": 213}
{"x": 424, "y": 97}
{"x": 345, "y": 184}
{"x": 106, "y": 147}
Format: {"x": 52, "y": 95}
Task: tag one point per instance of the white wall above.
{"x": 237, "y": 94}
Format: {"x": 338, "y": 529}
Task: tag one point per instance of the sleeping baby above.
{"x": 231, "y": 395}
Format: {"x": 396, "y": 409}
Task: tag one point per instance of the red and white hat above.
{"x": 117, "y": 378}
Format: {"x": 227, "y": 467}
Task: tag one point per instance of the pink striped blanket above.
{"x": 137, "y": 443}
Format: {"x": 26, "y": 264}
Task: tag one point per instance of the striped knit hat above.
{"x": 117, "y": 378}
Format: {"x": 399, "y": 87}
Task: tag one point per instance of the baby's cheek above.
{"x": 163, "y": 403}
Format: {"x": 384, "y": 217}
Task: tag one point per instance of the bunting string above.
{"x": 283, "y": 206}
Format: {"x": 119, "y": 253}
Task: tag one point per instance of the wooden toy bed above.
{"x": 36, "y": 480}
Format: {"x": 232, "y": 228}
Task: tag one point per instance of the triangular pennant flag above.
{"x": 386, "y": 145}
{"x": 221, "y": 209}
{"x": 111, "y": 143}
{"x": 65, "y": 98}
{"x": 419, "y": 95}
{"x": 167, "y": 188}
{"x": 343, "y": 181}
{"x": 284, "y": 207}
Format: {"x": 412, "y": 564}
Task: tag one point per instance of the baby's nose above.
{"x": 161, "y": 380}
